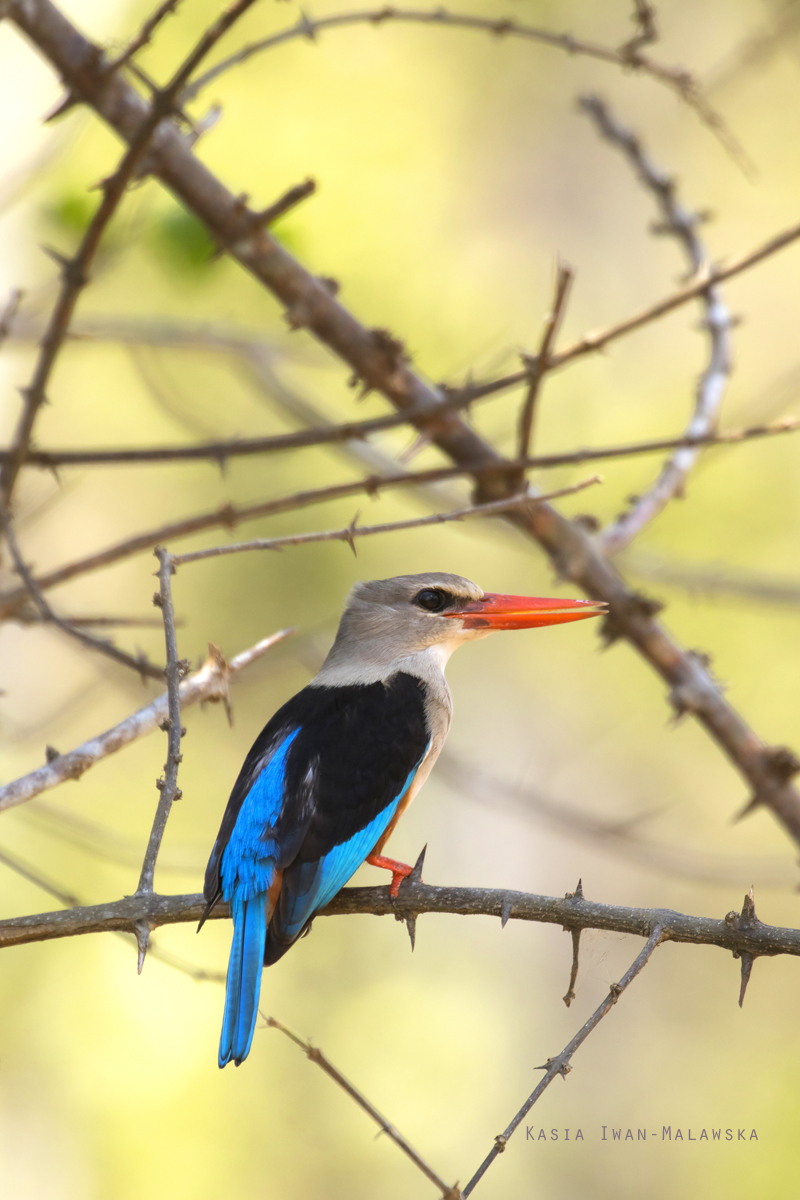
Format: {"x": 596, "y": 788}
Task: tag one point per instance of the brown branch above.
{"x": 352, "y": 531}
{"x": 542, "y": 363}
{"x": 145, "y": 34}
{"x": 316, "y": 1056}
{"x": 679, "y": 223}
{"x": 378, "y": 364}
{"x": 730, "y": 933}
{"x": 75, "y": 271}
{"x": 229, "y": 516}
{"x": 210, "y": 683}
{"x": 140, "y": 663}
{"x": 168, "y": 788}
{"x": 628, "y": 56}
{"x": 560, "y": 1065}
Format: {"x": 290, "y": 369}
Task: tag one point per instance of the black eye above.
{"x": 431, "y": 599}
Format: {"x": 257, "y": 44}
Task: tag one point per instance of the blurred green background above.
{"x": 453, "y": 168}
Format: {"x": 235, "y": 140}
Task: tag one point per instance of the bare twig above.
{"x": 678, "y": 222}
{"x": 229, "y": 516}
{"x": 175, "y": 669}
{"x": 316, "y": 1056}
{"x": 644, "y": 18}
{"x": 352, "y": 531}
{"x": 629, "y": 55}
{"x": 145, "y": 34}
{"x": 728, "y": 934}
{"x": 560, "y": 1065}
{"x": 210, "y": 683}
{"x": 75, "y": 271}
{"x": 140, "y": 663}
{"x": 542, "y": 363}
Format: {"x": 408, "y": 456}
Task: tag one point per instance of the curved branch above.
{"x": 628, "y": 57}
{"x": 681, "y": 224}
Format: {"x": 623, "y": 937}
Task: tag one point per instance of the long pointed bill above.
{"x": 523, "y": 612}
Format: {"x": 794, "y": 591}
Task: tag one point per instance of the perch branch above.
{"x": 731, "y": 933}
{"x": 542, "y": 361}
{"x": 210, "y": 683}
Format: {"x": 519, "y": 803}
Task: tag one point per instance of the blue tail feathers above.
{"x": 244, "y": 978}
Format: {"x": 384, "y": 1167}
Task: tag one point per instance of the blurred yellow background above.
{"x": 453, "y": 168}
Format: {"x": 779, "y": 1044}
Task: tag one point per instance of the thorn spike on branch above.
{"x": 142, "y": 931}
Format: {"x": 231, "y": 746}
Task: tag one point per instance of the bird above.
{"x": 332, "y": 772}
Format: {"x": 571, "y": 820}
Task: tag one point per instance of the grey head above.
{"x": 404, "y": 623}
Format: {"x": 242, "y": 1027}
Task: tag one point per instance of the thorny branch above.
{"x": 210, "y": 683}
{"x": 628, "y": 56}
{"x": 560, "y": 1065}
{"x": 733, "y": 933}
{"x": 353, "y": 531}
{"x": 542, "y": 361}
{"x": 316, "y": 1056}
{"x": 75, "y": 271}
{"x": 140, "y": 663}
{"x": 681, "y": 224}
{"x": 229, "y": 516}
{"x": 168, "y": 788}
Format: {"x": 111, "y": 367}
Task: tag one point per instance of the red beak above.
{"x": 523, "y": 612}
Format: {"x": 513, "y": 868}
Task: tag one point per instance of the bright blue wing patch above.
{"x": 249, "y": 859}
{"x": 314, "y": 884}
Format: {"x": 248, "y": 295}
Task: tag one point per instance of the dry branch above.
{"x": 210, "y": 683}
{"x": 229, "y": 516}
{"x": 679, "y": 223}
{"x": 573, "y": 911}
{"x": 353, "y": 531}
{"x": 560, "y": 1065}
{"x": 628, "y": 56}
{"x": 316, "y": 1056}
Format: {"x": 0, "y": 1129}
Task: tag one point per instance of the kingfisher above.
{"x": 330, "y": 775}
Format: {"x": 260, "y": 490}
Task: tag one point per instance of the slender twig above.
{"x": 629, "y": 55}
{"x": 140, "y": 663}
{"x": 353, "y": 531}
{"x": 644, "y": 18}
{"x": 730, "y": 934}
{"x": 590, "y": 343}
{"x": 542, "y": 363}
{"x": 175, "y": 669}
{"x": 145, "y": 34}
{"x": 75, "y": 271}
{"x": 210, "y": 683}
{"x": 316, "y": 1056}
{"x": 229, "y": 516}
{"x": 681, "y": 224}
{"x": 560, "y": 1065}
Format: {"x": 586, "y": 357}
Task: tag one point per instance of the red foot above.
{"x": 399, "y": 870}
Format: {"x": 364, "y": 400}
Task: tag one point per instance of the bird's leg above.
{"x": 400, "y": 871}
